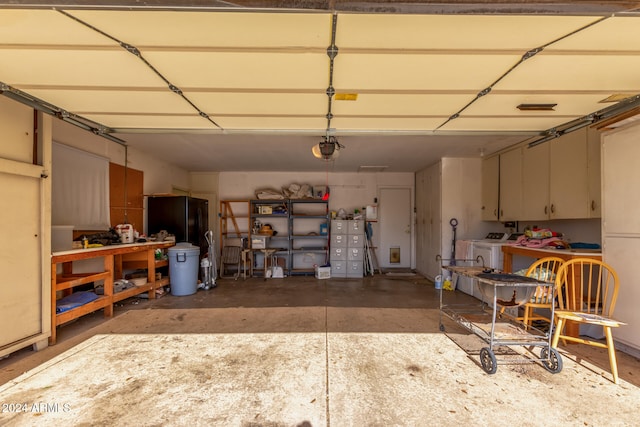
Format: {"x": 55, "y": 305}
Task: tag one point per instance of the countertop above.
{"x": 553, "y": 251}
{"x": 124, "y": 247}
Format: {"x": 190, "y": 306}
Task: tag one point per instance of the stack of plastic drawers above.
{"x": 347, "y": 248}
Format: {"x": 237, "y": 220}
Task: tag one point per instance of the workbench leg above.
{"x": 151, "y": 272}
{"x": 54, "y": 323}
{"x": 108, "y": 285}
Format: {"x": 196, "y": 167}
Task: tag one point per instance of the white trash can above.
{"x": 183, "y": 268}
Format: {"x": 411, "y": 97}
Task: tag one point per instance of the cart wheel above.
{"x": 488, "y": 360}
{"x": 551, "y": 360}
{"x": 441, "y": 327}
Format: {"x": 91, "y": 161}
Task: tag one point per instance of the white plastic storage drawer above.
{"x": 338, "y": 268}
{"x": 338, "y": 240}
{"x": 356, "y": 226}
{"x": 338, "y": 226}
{"x": 355, "y": 254}
{"x": 355, "y": 269}
{"x": 355, "y": 241}
{"x": 338, "y": 254}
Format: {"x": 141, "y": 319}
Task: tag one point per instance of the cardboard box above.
{"x": 323, "y": 272}
{"x": 265, "y": 209}
{"x": 259, "y": 241}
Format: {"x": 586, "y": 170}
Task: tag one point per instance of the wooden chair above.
{"x": 587, "y": 292}
{"x": 545, "y": 270}
{"x": 231, "y": 256}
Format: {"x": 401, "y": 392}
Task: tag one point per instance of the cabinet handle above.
{"x": 495, "y": 213}
{"x": 546, "y": 211}
{"x": 501, "y": 213}
{"x": 553, "y": 208}
{"x": 593, "y": 205}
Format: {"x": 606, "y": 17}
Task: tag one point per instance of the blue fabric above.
{"x": 74, "y": 300}
{"x": 579, "y": 245}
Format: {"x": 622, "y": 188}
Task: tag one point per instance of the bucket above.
{"x": 439, "y": 281}
{"x": 183, "y": 268}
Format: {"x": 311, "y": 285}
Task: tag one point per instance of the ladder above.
{"x": 370, "y": 258}
{"x": 227, "y": 213}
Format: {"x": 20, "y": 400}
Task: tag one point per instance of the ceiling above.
{"x": 252, "y": 86}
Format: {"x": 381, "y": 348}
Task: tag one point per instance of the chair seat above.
{"x": 593, "y": 319}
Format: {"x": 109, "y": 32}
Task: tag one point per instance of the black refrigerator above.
{"x": 185, "y": 217}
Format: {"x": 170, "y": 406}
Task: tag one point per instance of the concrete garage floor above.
{"x": 300, "y": 352}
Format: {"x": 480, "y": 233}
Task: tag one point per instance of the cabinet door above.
{"x": 490, "y": 188}
{"x": 620, "y": 178}
{"x": 511, "y": 185}
{"x": 569, "y": 195}
{"x": 593, "y": 173}
{"x": 535, "y": 183}
{"x": 129, "y": 182}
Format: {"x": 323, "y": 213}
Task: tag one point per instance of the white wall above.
{"x": 159, "y": 177}
{"x": 348, "y": 190}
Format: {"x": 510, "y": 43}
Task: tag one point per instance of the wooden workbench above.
{"x": 116, "y": 258}
{"x": 566, "y": 254}
{"x": 572, "y": 329}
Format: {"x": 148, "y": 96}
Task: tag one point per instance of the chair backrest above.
{"x": 545, "y": 270}
{"x": 587, "y": 286}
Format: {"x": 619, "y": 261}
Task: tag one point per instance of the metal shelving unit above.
{"x": 309, "y": 235}
{"x": 301, "y": 226}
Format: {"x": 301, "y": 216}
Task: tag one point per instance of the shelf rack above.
{"x": 298, "y": 224}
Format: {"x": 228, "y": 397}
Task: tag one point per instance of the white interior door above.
{"x": 394, "y": 213}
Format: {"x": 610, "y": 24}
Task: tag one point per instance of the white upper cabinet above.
{"x": 594, "y": 156}
{"x": 535, "y": 183}
{"x": 568, "y": 190}
{"x": 511, "y": 185}
{"x": 490, "y": 188}
{"x": 559, "y": 179}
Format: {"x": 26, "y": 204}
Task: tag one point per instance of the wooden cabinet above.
{"x": 511, "y": 185}
{"x": 126, "y": 197}
{"x": 115, "y": 259}
{"x": 490, "y": 188}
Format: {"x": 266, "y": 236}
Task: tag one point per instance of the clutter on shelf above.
{"x": 293, "y": 191}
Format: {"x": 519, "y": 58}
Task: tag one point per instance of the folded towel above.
{"x": 463, "y": 249}
{"x": 74, "y": 300}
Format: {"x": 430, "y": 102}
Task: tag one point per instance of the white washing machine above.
{"x": 490, "y": 249}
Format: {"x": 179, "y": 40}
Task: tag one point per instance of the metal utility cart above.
{"x": 494, "y": 328}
